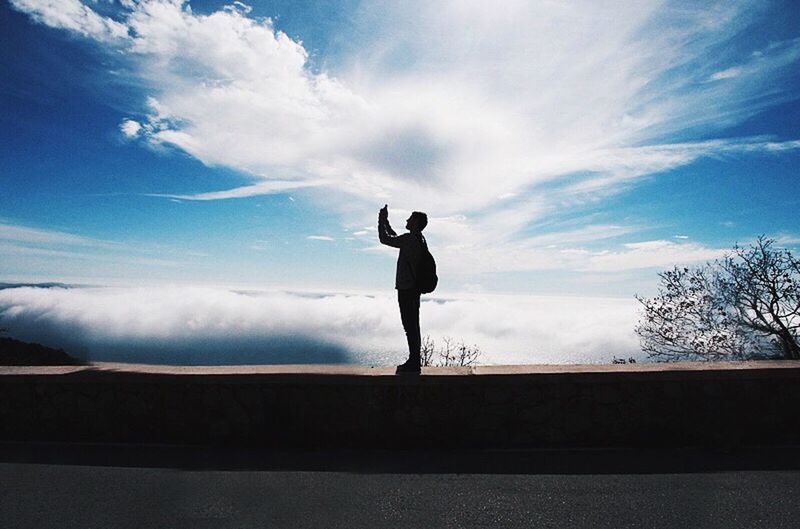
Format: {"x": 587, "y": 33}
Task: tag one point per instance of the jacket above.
{"x": 411, "y": 249}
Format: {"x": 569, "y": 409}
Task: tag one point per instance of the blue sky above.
{"x": 571, "y": 149}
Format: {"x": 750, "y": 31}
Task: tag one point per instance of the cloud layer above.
{"x": 193, "y": 325}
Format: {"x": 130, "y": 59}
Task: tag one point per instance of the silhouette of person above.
{"x": 411, "y": 248}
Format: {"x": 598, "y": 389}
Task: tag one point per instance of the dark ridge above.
{"x": 36, "y": 285}
{"x": 17, "y": 353}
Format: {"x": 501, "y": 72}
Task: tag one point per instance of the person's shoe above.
{"x": 408, "y": 367}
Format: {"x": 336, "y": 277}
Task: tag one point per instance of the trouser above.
{"x": 408, "y": 299}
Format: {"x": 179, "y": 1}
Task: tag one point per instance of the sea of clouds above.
{"x": 210, "y": 325}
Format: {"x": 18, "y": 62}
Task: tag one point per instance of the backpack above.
{"x": 426, "y": 278}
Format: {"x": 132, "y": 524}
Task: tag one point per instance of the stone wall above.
{"x": 682, "y": 404}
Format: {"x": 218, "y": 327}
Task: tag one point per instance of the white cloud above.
{"x": 319, "y": 238}
{"x": 238, "y": 6}
{"x": 74, "y": 16}
{"x": 130, "y": 128}
{"x": 206, "y": 325}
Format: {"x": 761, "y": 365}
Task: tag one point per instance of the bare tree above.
{"x": 688, "y": 319}
{"x": 450, "y": 354}
{"x": 742, "y": 306}
{"x": 427, "y": 351}
{"x": 762, "y": 283}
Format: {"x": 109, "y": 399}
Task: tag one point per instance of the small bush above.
{"x": 451, "y": 353}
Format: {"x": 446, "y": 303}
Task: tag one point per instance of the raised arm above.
{"x": 386, "y": 234}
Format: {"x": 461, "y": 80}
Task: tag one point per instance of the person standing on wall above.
{"x": 413, "y": 277}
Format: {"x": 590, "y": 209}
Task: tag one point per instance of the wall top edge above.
{"x": 321, "y": 370}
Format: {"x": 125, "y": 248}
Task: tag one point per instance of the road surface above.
{"x": 105, "y": 487}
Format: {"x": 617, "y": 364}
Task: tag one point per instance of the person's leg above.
{"x": 414, "y": 338}
{"x": 408, "y": 300}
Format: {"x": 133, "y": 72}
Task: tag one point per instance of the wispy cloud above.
{"x": 728, "y": 73}
{"x": 260, "y": 245}
{"x": 319, "y": 238}
{"x": 609, "y": 169}
{"x": 18, "y": 241}
{"x": 588, "y": 233}
{"x": 787, "y": 239}
{"x": 651, "y": 254}
{"x": 26, "y": 234}
{"x": 8, "y": 251}
{"x": 514, "y": 257}
{"x": 263, "y": 188}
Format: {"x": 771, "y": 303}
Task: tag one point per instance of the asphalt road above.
{"x": 108, "y": 487}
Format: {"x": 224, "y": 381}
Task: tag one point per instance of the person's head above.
{"x": 417, "y": 221}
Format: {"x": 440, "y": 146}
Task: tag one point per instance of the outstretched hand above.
{"x": 383, "y": 214}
